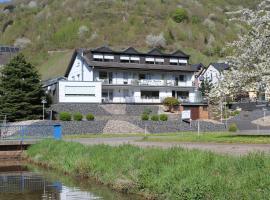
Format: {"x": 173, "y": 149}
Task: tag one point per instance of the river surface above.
{"x": 24, "y": 182}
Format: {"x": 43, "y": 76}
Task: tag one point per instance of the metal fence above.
{"x": 30, "y": 132}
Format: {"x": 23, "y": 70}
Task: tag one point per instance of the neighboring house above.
{"x": 129, "y": 76}
{"x": 214, "y": 72}
{"x": 6, "y": 53}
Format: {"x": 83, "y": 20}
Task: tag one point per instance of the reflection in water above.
{"x": 45, "y": 185}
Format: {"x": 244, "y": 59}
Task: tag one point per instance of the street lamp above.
{"x": 43, "y": 101}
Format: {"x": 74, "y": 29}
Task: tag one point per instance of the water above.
{"x": 24, "y": 182}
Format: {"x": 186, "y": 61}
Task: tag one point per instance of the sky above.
{"x": 3, "y": 1}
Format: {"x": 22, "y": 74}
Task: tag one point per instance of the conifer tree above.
{"x": 20, "y": 90}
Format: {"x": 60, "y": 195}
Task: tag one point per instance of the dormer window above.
{"x": 108, "y": 58}
{"x": 150, "y": 60}
{"x": 159, "y": 60}
{"x": 124, "y": 59}
{"x": 173, "y": 61}
{"x": 183, "y": 62}
{"x": 135, "y": 59}
{"x": 98, "y": 57}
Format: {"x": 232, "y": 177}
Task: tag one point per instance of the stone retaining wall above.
{"x": 98, "y": 126}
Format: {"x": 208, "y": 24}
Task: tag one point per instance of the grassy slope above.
{"x": 168, "y": 174}
{"x": 121, "y": 24}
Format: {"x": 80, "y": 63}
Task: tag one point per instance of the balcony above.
{"x": 148, "y": 83}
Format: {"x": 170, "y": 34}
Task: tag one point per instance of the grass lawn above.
{"x": 218, "y": 137}
{"x": 173, "y": 173}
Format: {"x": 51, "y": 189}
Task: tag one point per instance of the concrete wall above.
{"x": 74, "y": 92}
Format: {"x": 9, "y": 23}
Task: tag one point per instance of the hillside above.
{"x": 58, "y": 26}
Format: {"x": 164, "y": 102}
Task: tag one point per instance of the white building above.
{"x": 214, "y": 72}
{"x": 105, "y": 76}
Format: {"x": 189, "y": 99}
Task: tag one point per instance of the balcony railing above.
{"x": 148, "y": 83}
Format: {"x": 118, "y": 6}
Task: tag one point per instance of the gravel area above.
{"x": 231, "y": 149}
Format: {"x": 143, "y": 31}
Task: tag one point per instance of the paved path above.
{"x": 232, "y": 149}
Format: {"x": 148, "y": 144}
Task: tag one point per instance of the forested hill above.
{"x": 48, "y": 30}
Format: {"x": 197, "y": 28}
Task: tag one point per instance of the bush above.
{"x": 163, "y": 117}
{"x": 233, "y": 127}
{"x": 77, "y": 116}
{"x": 90, "y": 117}
{"x": 195, "y": 19}
{"x": 155, "y": 118}
{"x": 180, "y": 15}
{"x": 170, "y": 102}
{"x": 145, "y": 117}
{"x": 65, "y": 116}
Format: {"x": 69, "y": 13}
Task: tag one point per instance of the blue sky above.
{"x": 3, "y": 1}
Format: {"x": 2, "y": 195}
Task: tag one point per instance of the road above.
{"x": 232, "y": 149}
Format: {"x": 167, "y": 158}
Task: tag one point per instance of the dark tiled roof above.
{"x": 220, "y": 66}
{"x": 180, "y": 54}
{"x": 155, "y": 52}
{"x": 198, "y": 66}
{"x": 131, "y": 50}
{"x": 103, "y": 49}
{"x": 52, "y": 81}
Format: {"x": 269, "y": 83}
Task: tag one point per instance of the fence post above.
{"x": 57, "y": 132}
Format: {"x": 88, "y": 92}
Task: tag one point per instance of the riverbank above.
{"x": 164, "y": 174}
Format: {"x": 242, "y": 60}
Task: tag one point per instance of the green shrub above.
{"x": 77, "y": 116}
{"x": 65, "y": 116}
{"x": 236, "y": 112}
{"x": 171, "y": 102}
{"x": 233, "y": 127}
{"x": 155, "y": 118}
{"x": 163, "y": 117}
{"x": 180, "y": 15}
{"x": 147, "y": 111}
{"x": 90, "y": 117}
{"x": 145, "y": 117}
{"x": 195, "y": 19}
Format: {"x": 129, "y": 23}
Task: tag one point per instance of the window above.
{"x": 150, "y": 60}
{"x": 134, "y": 59}
{"x": 150, "y": 94}
{"x": 183, "y": 94}
{"x": 159, "y": 60}
{"x": 108, "y": 58}
{"x": 183, "y": 62}
{"x": 125, "y": 93}
{"x": 98, "y": 57}
{"x": 103, "y": 75}
{"x": 142, "y": 76}
{"x": 80, "y": 91}
{"x": 173, "y": 61}
{"x": 182, "y": 78}
{"x": 124, "y": 59}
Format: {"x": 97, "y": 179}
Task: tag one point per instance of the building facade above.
{"x": 214, "y": 72}
{"x": 105, "y": 76}
{"x": 7, "y": 53}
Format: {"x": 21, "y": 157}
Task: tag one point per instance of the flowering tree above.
{"x": 250, "y": 60}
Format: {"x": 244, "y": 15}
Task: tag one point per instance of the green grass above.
{"x": 218, "y": 137}
{"x": 165, "y": 174}
{"x": 215, "y": 137}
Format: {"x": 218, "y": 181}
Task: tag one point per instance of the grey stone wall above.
{"x": 83, "y": 108}
{"x": 97, "y": 126}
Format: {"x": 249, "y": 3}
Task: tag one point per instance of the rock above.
{"x": 32, "y": 4}
{"x": 83, "y": 30}
{"x": 209, "y": 23}
{"x": 22, "y": 42}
